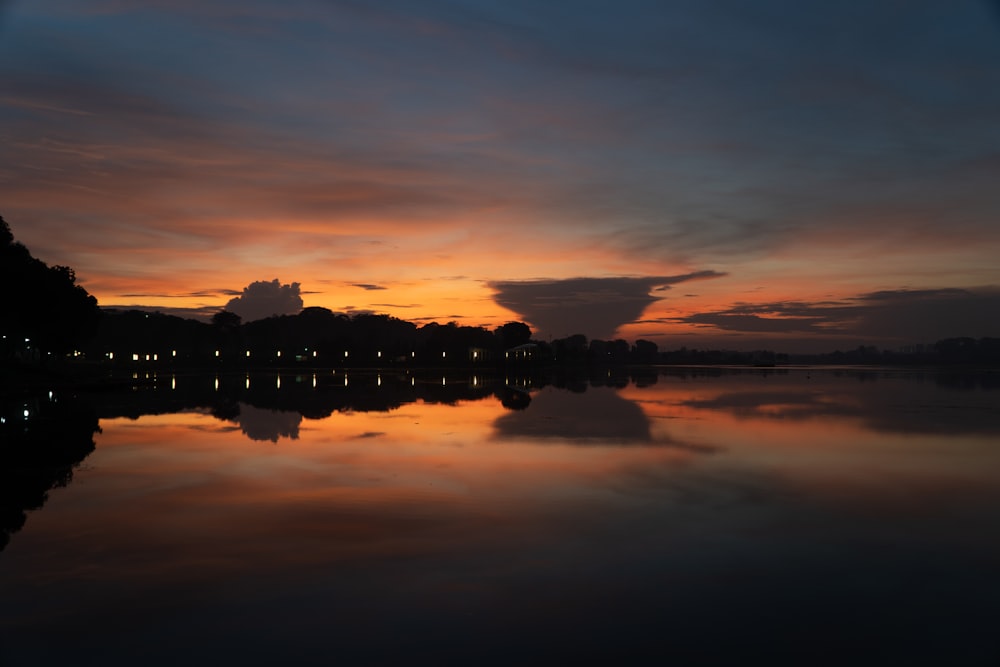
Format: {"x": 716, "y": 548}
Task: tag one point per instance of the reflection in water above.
{"x": 515, "y": 399}
{"x": 260, "y": 424}
{"x": 41, "y": 441}
{"x": 432, "y": 524}
{"x": 312, "y": 396}
{"x": 886, "y": 402}
{"x": 598, "y": 416}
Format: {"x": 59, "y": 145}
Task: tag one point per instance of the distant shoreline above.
{"x": 26, "y": 379}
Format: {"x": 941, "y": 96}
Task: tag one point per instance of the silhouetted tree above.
{"x": 6, "y": 236}
{"x": 513, "y": 334}
{"x": 40, "y": 303}
{"x": 229, "y": 338}
{"x": 645, "y": 352}
{"x": 225, "y": 319}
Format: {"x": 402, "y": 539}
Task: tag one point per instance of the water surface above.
{"x": 681, "y": 517}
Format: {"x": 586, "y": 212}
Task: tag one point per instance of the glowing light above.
{"x": 135, "y": 357}
{"x": 173, "y": 353}
{"x": 379, "y": 354}
{"x": 248, "y": 354}
{"x": 216, "y": 384}
{"x": 216, "y": 353}
{"x": 26, "y": 413}
{"x": 277, "y": 383}
{"x": 314, "y": 354}
{"x": 111, "y": 356}
{"x": 345, "y": 354}
{"x": 173, "y": 382}
{"x": 314, "y": 381}
{"x": 156, "y": 357}
{"x": 378, "y": 380}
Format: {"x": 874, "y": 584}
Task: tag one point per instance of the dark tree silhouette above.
{"x": 645, "y": 351}
{"x": 513, "y": 334}
{"x": 225, "y": 319}
{"x": 40, "y": 303}
{"x": 6, "y": 237}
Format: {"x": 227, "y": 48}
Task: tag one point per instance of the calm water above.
{"x": 800, "y": 517}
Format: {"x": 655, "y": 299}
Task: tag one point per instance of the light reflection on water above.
{"x": 693, "y": 518}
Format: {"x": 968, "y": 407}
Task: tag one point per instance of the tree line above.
{"x": 314, "y": 337}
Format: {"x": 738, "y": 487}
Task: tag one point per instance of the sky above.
{"x": 783, "y": 174}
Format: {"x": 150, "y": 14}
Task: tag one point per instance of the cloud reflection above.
{"x": 885, "y": 402}
{"x": 272, "y": 425}
{"x": 597, "y": 416}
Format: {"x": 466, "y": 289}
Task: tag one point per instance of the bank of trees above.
{"x": 315, "y": 336}
{"x": 320, "y": 337}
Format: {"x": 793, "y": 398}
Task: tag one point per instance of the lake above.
{"x": 661, "y": 516}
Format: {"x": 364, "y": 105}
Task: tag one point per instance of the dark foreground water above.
{"x": 681, "y": 518}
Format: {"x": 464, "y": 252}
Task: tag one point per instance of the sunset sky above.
{"x": 783, "y": 173}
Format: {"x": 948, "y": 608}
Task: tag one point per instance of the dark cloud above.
{"x": 595, "y": 307}
{"x": 891, "y": 315}
{"x": 932, "y": 314}
{"x": 730, "y": 321}
{"x": 183, "y": 295}
{"x": 367, "y": 286}
{"x": 263, "y": 299}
